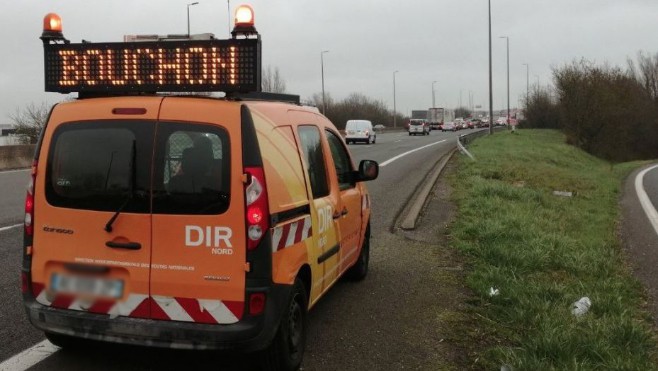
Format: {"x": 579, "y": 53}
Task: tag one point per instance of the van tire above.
{"x": 287, "y": 348}
{"x": 65, "y": 341}
{"x": 359, "y": 270}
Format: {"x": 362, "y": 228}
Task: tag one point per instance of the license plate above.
{"x": 86, "y": 286}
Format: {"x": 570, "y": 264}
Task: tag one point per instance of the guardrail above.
{"x": 466, "y": 139}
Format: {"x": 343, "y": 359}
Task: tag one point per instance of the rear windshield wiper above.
{"x": 133, "y": 180}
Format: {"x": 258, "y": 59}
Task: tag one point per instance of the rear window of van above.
{"x": 357, "y": 125}
{"x": 107, "y": 165}
{"x": 98, "y": 165}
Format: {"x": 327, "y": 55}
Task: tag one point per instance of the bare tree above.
{"x": 646, "y": 72}
{"x": 29, "y": 121}
{"x": 607, "y": 111}
{"x": 542, "y": 111}
{"x": 272, "y": 81}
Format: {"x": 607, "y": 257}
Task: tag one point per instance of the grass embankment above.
{"x": 543, "y": 252}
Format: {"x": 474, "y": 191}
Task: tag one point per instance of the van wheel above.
{"x": 287, "y": 349}
{"x": 359, "y": 270}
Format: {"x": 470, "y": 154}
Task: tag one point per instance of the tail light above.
{"x": 29, "y": 201}
{"x": 256, "y": 303}
{"x": 28, "y": 226}
{"x": 258, "y": 214}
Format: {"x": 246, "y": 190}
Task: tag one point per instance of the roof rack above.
{"x": 265, "y": 96}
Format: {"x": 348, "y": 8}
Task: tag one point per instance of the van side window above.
{"x": 192, "y": 170}
{"x": 309, "y": 136}
{"x": 342, "y": 161}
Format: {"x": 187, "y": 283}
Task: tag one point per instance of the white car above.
{"x": 360, "y": 131}
{"x": 417, "y": 127}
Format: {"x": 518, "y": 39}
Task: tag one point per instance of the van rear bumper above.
{"x": 252, "y": 333}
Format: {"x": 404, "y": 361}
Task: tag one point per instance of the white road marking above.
{"x": 399, "y": 140}
{"x": 10, "y": 227}
{"x": 651, "y": 212}
{"x": 29, "y": 357}
{"x": 408, "y": 152}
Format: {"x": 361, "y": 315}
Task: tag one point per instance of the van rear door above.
{"x": 198, "y": 262}
{"x": 92, "y": 240}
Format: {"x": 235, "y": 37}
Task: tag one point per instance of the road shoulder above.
{"x": 639, "y": 242}
{"x": 454, "y": 322}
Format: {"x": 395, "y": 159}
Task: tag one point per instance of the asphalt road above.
{"x": 650, "y": 184}
{"x": 384, "y": 322}
{"x": 12, "y": 198}
{"x": 639, "y": 237}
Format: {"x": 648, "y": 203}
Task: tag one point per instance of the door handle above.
{"x": 338, "y": 214}
{"x": 124, "y": 245}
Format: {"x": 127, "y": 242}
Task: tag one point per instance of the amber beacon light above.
{"x": 244, "y": 21}
{"x": 52, "y": 27}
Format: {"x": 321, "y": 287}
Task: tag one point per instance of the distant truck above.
{"x": 419, "y": 114}
{"x": 437, "y": 116}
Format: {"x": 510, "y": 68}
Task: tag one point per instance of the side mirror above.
{"x": 368, "y": 170}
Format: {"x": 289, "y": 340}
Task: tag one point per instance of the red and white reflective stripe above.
{"x": 292, "y": 233}
{"x": 127, "y": 307}
{"x": 162, "y": 307}
{"x": 195, "y": 310}
{"x": 365, "y": 202}
{"x": 40, "y": 294}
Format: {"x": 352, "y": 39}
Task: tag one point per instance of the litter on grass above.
{"x": 493, "y": 291}
{"x": 581, "y": 306}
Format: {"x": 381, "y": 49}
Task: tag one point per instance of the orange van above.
{"x": 187, "y": 221}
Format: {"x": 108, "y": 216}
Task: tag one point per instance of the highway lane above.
{"x": 12, "y": 199}
{"x": 398, "y": 180}
{"x": 390, "y": 192}
{"x": 638, "y": 235}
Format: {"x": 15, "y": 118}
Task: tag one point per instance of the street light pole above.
{"x": 490, "y": 79}
{"x": 228, "y": 15}
{"x": 527, "y": 84}
{"x": 324, "y": 104}
{"x": 188, "y": 17}
{"x": 394, "y": 108}
{"x": 433, "y": 95}
{"x": 507, "y": 39}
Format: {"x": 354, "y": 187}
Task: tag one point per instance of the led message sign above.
{"x": 171, "y": 66}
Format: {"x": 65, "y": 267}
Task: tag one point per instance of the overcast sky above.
{"x": 425, "y": 40}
